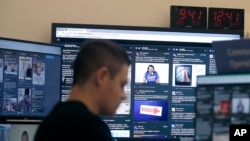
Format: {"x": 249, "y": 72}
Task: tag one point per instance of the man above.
{"x": 100, "y": 74}
{"x": 25, "y": 136}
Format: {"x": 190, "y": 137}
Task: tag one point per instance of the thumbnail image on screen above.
{"x": 240, "y": 105}
{"x": 150, "y": 110}
{"x": 151, "y": 73}
{"x": 25, "y": 67}
{"x": 183, "y": 75}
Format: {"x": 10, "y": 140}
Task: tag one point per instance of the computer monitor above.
{"x": 18, "y": 131}
{"x": 30, "y": 76}
{"x": 221, "y": 100}
{"x": 161, "y": 109}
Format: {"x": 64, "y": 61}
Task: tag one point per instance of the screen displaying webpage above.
{"x": 162, "y": 78}
{"x": 29, "y": 79}
{"x": 221, "y": 101}
{"x": 160, "y": 93}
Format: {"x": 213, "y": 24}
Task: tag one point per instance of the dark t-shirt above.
{"x": 71, "y": 121}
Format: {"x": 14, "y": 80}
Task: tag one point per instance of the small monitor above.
{"x": 29, "y": 78}
{"x": 222, "y": 100}
{"x": 18, "y": 132}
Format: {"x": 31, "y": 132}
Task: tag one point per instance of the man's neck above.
{"x": 86, "y": 97}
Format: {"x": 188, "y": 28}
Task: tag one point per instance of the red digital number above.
{"x": 200, "y": 14}
{"x": 237, "y": 17}
{"x": 218, "y": 16}
{"x": 191, "y": 13}
{"x": 229, "y": 15}
{"x": 226, "y": 18}
{"x": 215, "y": 16}
{"x": 182, "y": 13}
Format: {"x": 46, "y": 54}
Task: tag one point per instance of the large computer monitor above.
{"x": 221, "y": 100}
{"x": 30, "y": 76}
{"x": 152, "y": 110}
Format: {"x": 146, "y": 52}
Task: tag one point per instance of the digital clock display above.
{"x": 188, "y": 17}
{"x": 225, "y": 18}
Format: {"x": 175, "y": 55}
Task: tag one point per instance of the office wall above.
{"x": 31, "y": 19}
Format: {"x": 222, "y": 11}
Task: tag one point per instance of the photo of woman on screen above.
{"x": 151, "y": 76}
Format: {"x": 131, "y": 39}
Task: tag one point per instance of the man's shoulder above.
{"x": 71, "y": 107}
{"x": 72, "y": 111}
{"x": 71, "y": 114}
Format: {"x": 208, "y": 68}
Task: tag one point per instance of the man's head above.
{"x": 25, "y": 136}
{"x": 105, "y": 64}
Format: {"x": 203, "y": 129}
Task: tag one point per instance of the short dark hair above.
{"x": 95, "y": 54}
{"x": 25, "y": 133}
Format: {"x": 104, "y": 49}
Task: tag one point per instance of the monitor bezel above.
{"x": 141, "y": 28}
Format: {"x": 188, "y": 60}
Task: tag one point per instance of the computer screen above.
{"x": 30, "y": 76}
{"x": 162, "y": 76}
{"x": 18, "y": 131}
{"x": 221, "y": 100}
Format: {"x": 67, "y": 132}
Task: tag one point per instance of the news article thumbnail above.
{"x": 25, "y": 68}
{"x": 222, "y": 108}
{"x": 38, "y": 73}
{"x": 9, "y": 105}
{"x": 24, "y": 100}
{"x": 240, "y": 105}
{"x": 183, "y": 75}
{"x": 151, "y": 73}
{"x": 10, "y": 67}
{"x": 150, "y": 110}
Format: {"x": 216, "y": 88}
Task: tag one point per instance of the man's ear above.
{"x": 101, "y": 76}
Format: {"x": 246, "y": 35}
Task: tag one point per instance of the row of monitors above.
{"x": 34, "y": 76}
{"x": 228, "y": 100}
{"x": 26, "y": 132}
